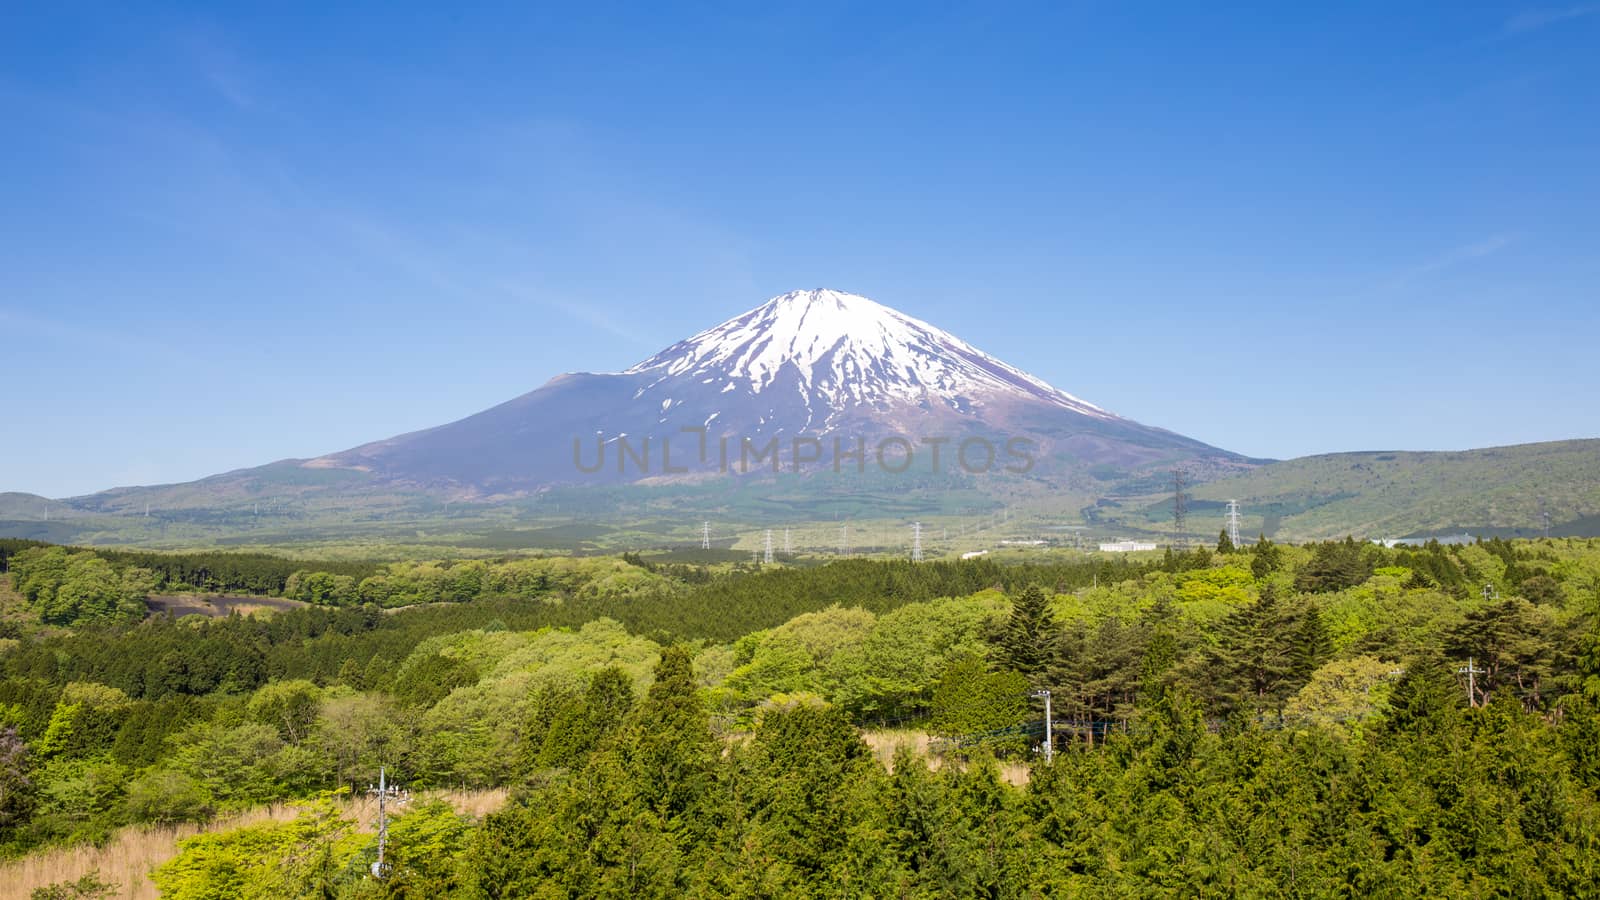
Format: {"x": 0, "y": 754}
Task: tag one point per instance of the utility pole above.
{"x": 705, "y": 535}
{"x": 1049, "y": 728}
{"x": 916, "y": 542}
{"x": 384, "y": 792}
{"x": 768, "y": 557}
{"x": 1472, "y": 672}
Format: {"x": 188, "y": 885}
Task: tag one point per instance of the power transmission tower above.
{"x": 1233, "y": 522}
{"x": 1544, "y": 518}
{"x": 1180, "y": 510}
{"x": 385, "y": 792}
{"x": 786, "y": 546}
{"x": 916, "y": 542}
{"x": 844, "y": 539}
{"x": 705, "y": 535}
{"x": 1472, "y": 672}
{"x": 768, "y": 558}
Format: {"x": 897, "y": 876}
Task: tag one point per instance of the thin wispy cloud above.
{"x": 1535, "y": 19}
{"x": 1450, "y": 259}
{"x": 208, "y": 53}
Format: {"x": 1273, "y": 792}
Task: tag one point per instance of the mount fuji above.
{"x": 806, "y": 365}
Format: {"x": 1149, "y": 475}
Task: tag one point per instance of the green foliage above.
{"x": 306, "y": 858}
{"x": 1343, "y": 695}
{"x": 1225, "y": 543}
{"x": 67, "y": 588}
{"x": 1028, "y": 640}
{"x": 424, "y": 852}
{"x": 1335, "y": 566}
{"x": 971, "y": 700}
{"x": 1339, "y": 776}
{"x": 87, "y": 886}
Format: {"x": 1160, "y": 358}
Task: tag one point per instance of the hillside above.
{"x": 1503, "y": 491}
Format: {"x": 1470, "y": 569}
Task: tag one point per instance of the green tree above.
{"x": 1334, "y": 566}
{"x": 1027, "y": 642}
{"x": 671, "y": 757}
{"x": 1510, "y": 641}
{"x": 972, "y": 701}
{"x": 298, "y": 860}
{"x": 1265, "y": 558}
{"x": 289, "y": 706}
{"x": 427, "y": 844}
{"x": 1225, "y": 543}
{"x": 17, "y": 791}
{"x": 1252, "y": 666}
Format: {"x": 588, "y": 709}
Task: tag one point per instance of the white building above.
{"x": 1127, "y": 546}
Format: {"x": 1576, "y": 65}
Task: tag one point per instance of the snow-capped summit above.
{"x": 842, "y": 350}
{"x": 813, "y": 365}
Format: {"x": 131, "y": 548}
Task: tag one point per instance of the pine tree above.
{"x": 672, "y": 755}
{"x": 1028, "y": 641}
{"x": 1266, "y": 558}
{"x": 1225, "y": 543}
{"x": 1312, "y": 644}
{"x": 1254, "y": 660}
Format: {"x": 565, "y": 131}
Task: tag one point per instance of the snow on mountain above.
{"x": 843, "y": 351}
{"x": 805, "y": 364}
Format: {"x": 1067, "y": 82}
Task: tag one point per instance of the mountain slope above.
{"x": 1498, "y": 490}
{"x": 816, "y": 364}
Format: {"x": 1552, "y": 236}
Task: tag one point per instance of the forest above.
{"x": 1335, "y": 719}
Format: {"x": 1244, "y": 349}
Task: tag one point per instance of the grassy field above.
{"x": 127, "y": 859}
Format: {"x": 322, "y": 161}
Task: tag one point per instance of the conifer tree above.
{"x": 1266, "y": 558}
{"x": 1312, "y": 644}
{"x": 1252, "y": 664}
{"x": 1225, "y": 543}
{"x": 671, "y": 754}
{"x": 1028, "y": 641}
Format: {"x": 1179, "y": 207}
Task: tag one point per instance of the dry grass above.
{"x": 885, "y": 743}
{"x": 130, "y": 855}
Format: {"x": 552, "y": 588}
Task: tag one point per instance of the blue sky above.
{"x": 229, "y": 237}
